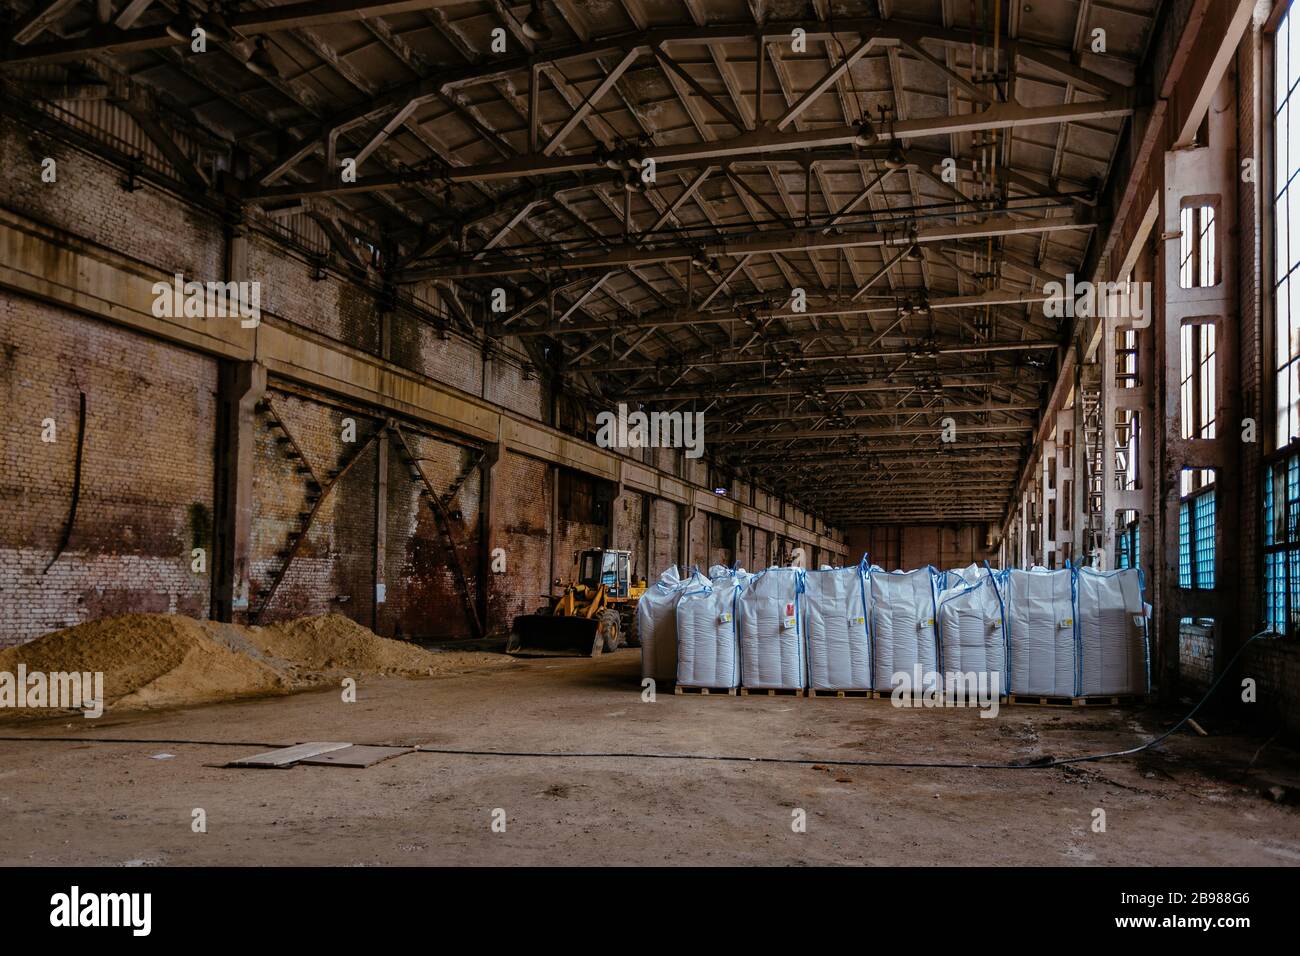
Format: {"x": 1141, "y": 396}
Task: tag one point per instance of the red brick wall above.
{"x": 146, "y": 480}
{"x": 88, "y": 201}
{"x": 664, "y": 535}
{"x": 521, "y": 527}
{"x": 333, "y": 569}
{"x": 423, "y": 600}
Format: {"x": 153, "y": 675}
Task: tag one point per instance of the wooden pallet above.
{"x": 704, "y": 691}
{"x": 771, "y": 692}
{"x": 813, "y": 692}
{"x": 1040, "y": 700}
{"x": 1111, "y": 700}
{"x": 1101, "y": 700}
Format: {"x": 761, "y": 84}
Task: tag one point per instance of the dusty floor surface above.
{"x": 75, "y": 802}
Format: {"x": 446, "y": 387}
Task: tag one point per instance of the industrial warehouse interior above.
{"x": 650, "y": 432}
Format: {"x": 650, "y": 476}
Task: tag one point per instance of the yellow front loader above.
{"x": 595, "y": 614}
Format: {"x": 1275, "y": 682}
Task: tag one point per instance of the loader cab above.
{"x": 611, "y": 568}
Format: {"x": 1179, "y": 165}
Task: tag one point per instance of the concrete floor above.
{"x": 74, "y": 802}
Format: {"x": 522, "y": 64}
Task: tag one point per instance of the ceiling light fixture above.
{"x": 866, "y": 133}
{"x": 535, "y": 26}
{"x": 895, "y": 158}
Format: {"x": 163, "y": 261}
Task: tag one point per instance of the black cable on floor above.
{"x": 1040, "y": 764}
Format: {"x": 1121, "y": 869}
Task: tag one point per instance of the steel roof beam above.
{"x": 758, "y": 142}
{"x": 630, "y": 254}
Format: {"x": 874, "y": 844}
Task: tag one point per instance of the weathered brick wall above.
{"x": 521, "y": 527}
{"x": 914, "y": 546}
{"x": 1274, "y": 665}
{"x": 629, "y": 517}
{"x": 333, "y": 569}
{"x": 509, "y": 385}
{"x": 88, "y": 200}
{"x": 699, "y": 541}
{"x": 664, "y": 537}
{"x": 146, "y": 479}
{"x": 423, "y": 600}
{"x": 339, "y": 310}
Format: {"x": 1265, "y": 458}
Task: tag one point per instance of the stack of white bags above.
{"x": 1063, "y": 633}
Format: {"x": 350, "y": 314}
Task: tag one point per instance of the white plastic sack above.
{"x": 771, "y": 630}
{"x": 719, "y": 571}
{"x": 1040, "y": 632}
{"x": 972, "y": 632}
{"x": 839, "y": 644}
{"x": 1112, "y": 633}
{"x": 708, "y": 650}
{"x": 902, "y": 625}
{"x": 656, "y": 621}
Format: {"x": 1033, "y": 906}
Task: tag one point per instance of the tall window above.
{"x": 1197, "y": 390}
{"x": 1286, "y": 219}
{"x": 1198, "y": 260}
{"x": 1281, "y": 491}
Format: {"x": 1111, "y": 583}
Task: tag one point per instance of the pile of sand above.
{"x": 166, "y": 660}
{"x": 333, "y": 642}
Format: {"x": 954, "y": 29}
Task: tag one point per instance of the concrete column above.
{"x": 381, "y": 485}
{"x": 240, "y": 386}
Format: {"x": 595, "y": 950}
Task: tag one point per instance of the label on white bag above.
{"x": 789, "y": 609}
{"x": 725, "y": 617}
{"x": 857, "y": 620}
{"x": 1139, "y": 620}
{"x": 788, "y": 623}
{"x": 1068, "y": 622}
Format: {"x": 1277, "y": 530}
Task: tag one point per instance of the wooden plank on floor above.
{"x": 356, "y": 756}
{"x": 287, "y": 756}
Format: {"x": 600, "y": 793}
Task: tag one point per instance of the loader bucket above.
{"x": 547, "y": 635}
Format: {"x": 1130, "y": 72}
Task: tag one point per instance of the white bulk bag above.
{"x": 839, "y": 643}
{"x": 972, "y": 631}
{"x": 708, "y": 650}
{"x": 1040, "y": 632}
{"x": 771, "y": 630}
{"x": 971, "y": 574}
{"x": 1112, "y": 633}
{"x": 656, "y": 622}
{"x": 902, "y": 626}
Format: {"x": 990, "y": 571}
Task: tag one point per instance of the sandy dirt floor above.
{"x": 110, "y": 803}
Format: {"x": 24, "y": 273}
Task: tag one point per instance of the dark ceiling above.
{"x": 920, "y": 170}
